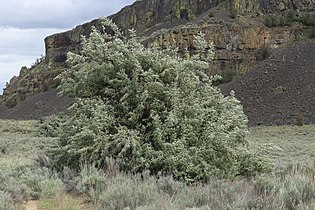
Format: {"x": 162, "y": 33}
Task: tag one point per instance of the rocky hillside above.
{"x": 281, "y": 89}
{"x": 237, "y": 28}
{"x": 37, "y": 106}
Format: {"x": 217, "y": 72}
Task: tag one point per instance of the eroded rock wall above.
{"x": 237, "y": 46}
{"x": 145, "y": 16}
{"x": 148, "y": 16}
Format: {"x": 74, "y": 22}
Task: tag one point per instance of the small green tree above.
{"x": 149, "y": 109}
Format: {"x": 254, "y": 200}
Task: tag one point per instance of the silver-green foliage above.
{"x": 6, "y": 201}
{"x": 91, "y": 182}
{"x": 28, "y": 182}
{"x": 149, "y": 109}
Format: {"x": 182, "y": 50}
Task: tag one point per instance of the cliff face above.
{"x": 270, "y": 6}
{"x": 149, "y": 16}
{"x": 58, "y": 45}
{"x": 238, "y": 47}
{"x": 144, "y": 16}
{"x": 235, "y": 26}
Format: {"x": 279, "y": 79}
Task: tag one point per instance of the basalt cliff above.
{"x": 243, "y": 32}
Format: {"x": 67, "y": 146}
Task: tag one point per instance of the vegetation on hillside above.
{"x": 289, "y": 18}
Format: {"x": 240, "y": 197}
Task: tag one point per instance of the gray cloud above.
{"x": 25, "y": 23}
{"x": 24, "y": 41}
{"x": 20, "y": 47}
{"x": 10, "y": 65}
{"x": 55, "y": 13}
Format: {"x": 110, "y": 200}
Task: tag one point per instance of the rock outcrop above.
{"x": 235, "y": 26}
{"x": 149, "y": 16}
{"x": 238, "y": 46}
{"x": 30, "y": 82}
{"x": 37, "y": 107}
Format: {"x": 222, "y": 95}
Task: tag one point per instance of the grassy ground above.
{"x": 23, "y": 177}
{"x": 18, "y": 144}
{"x": 292, "y": 144}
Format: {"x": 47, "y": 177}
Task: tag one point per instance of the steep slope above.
{"x": 37, "y": 106}
{"x": 3, "y": 111}
{"x": 280, "y": 90}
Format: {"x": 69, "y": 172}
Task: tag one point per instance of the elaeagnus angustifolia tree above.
{"x": 149, "y": 109}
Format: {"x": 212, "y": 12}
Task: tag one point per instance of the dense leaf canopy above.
{"x": 149, "y": 109}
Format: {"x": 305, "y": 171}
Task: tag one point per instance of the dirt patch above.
{"x": 3, "y": 111}
{"x": 281, "y": 89}
{"x": 30, "y": 205}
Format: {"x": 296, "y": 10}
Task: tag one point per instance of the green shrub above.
{"x": 272, "y": 20}
{"x": 299, "y": 119}
{"x": 263, "y": 53}
{"x": 291, "y": 15}
{"x": 294, "y": 188}
{"x": 268, "y": 21}
{"x": 210, "y": 14}
{"x": 148, "y": 109}
{"x": 193, "y": 196}
{"x": 3, "y": 148}
{"x": 91, "y": 182}
{"x": 228, "y": 76}
{"x": 41, "y": 183}
{"x": 16, "y": 189}
{"x": 127, "y": 191}
{"x": 308, "y": 19}
{"x": 31, "y": 182}
{"x": 169, "y": 186}
{"x": 312, "y": 32}
{"x": 6, "y": 202}
{"x": 52, "y": 127}
{"x": 165, "y": 205}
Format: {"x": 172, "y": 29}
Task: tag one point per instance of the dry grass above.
{"x": 66, "y": 202}
{"x": 291, "y": 186}
{"x": 296, "y": 144}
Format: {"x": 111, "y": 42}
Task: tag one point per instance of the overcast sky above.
{"x": 25, "y": 23}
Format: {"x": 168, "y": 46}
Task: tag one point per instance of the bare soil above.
{"x": 30, "y": 205}
{"x": 281, "y": 89}
{"x": 36, "y": 107}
